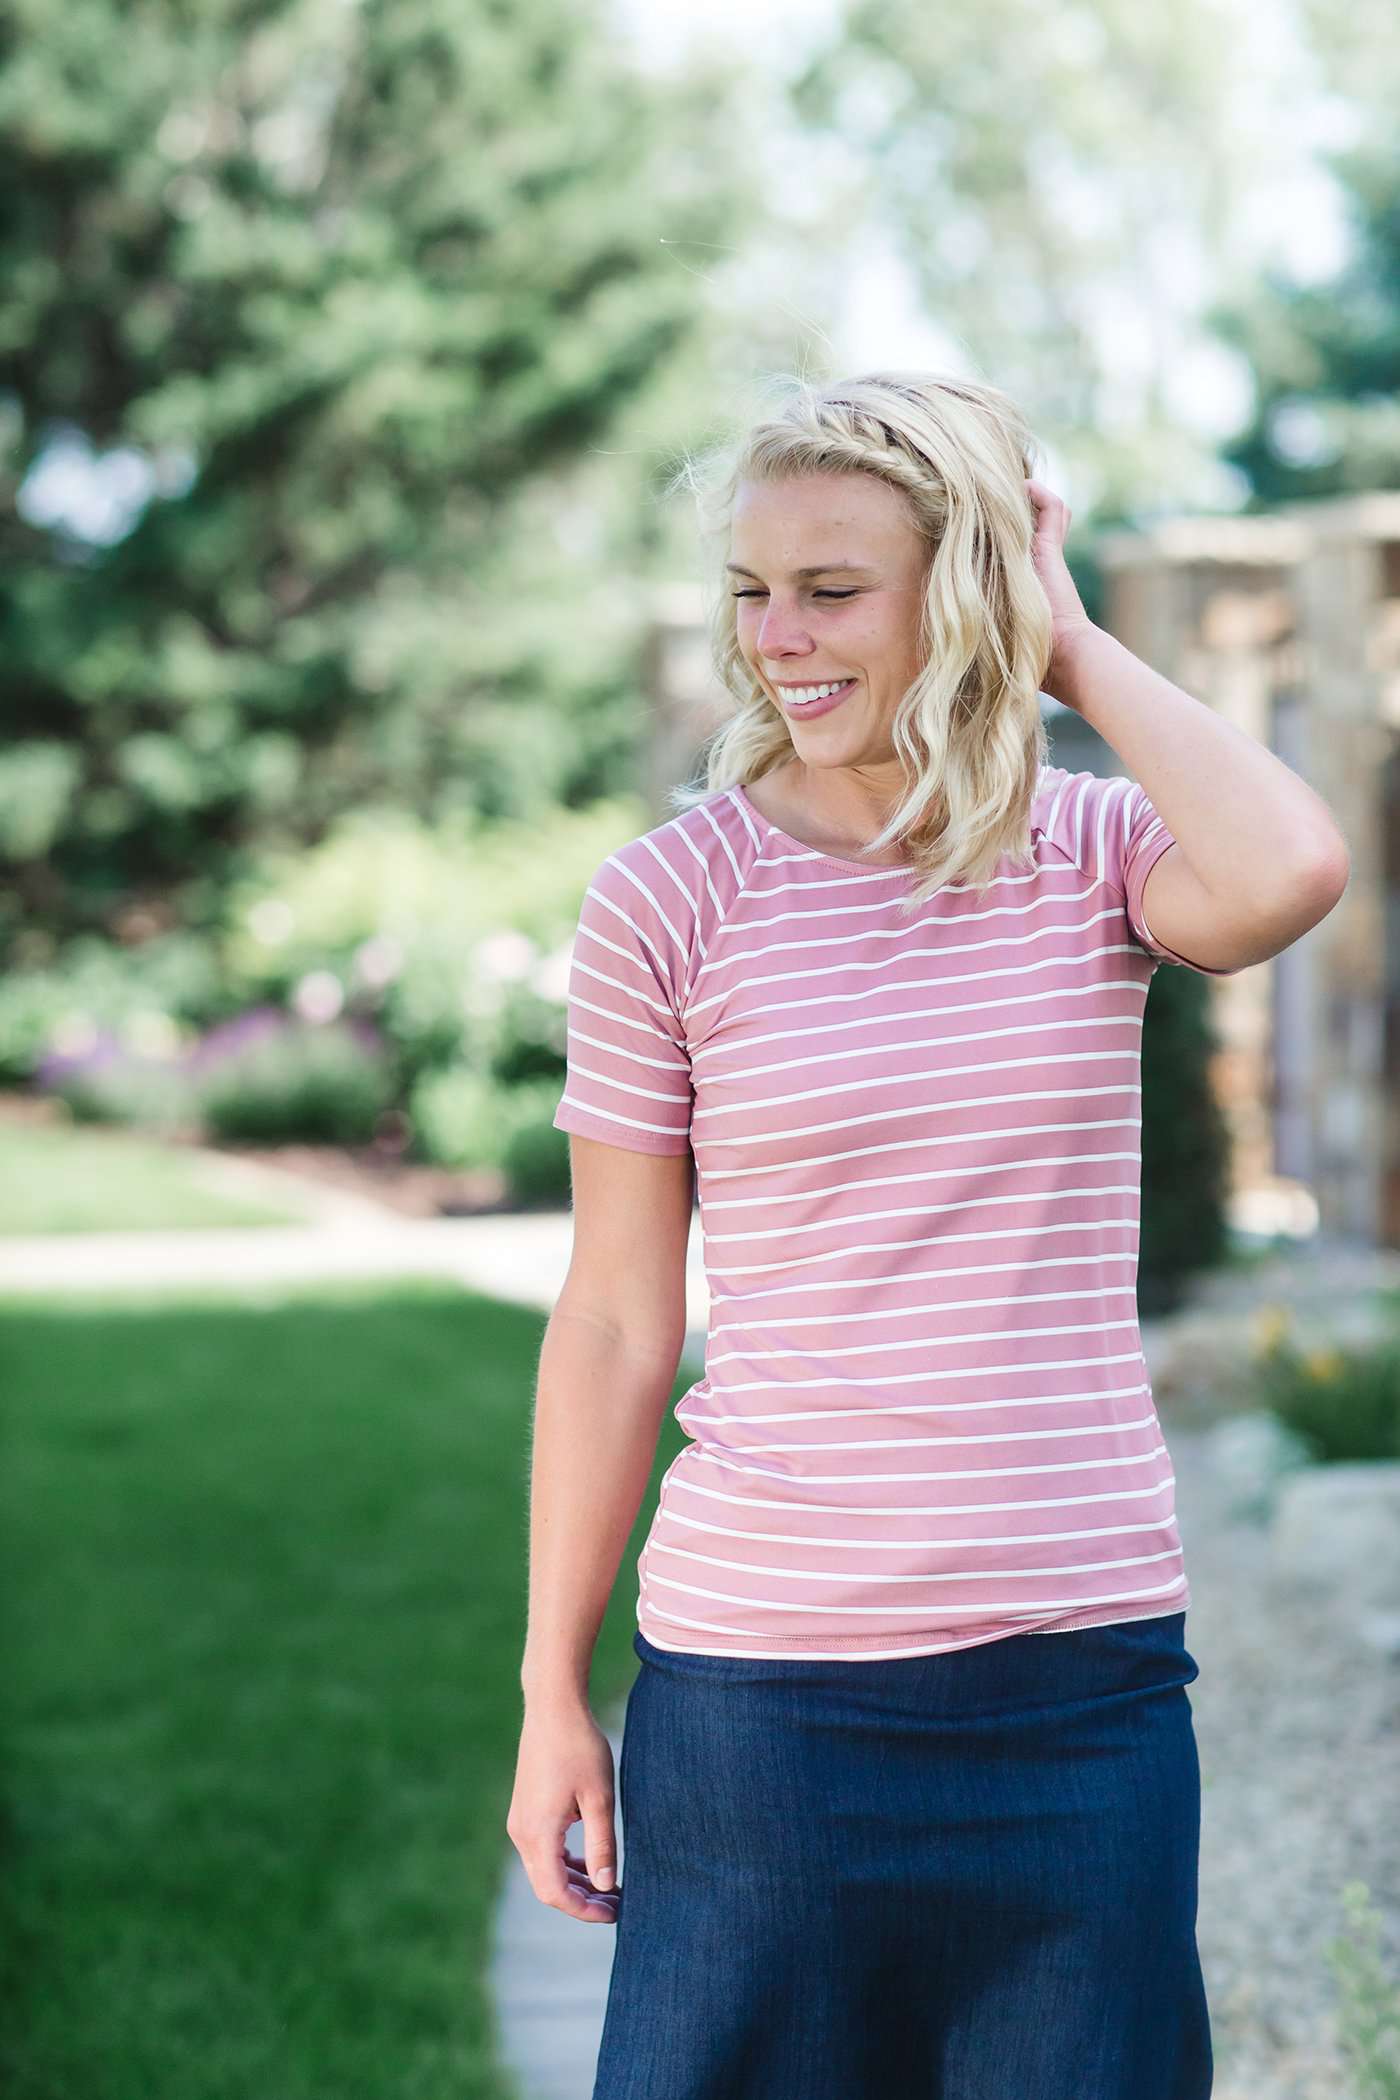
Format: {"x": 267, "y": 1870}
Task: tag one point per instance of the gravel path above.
{"x": 1298, "y": 1727}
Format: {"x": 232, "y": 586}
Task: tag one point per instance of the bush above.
{"x": 111, "y": 1085}
{"x": 1369, "y": 2018}
{"x": 1185, "y": 1142}
{"x": 313, "y": 1082}
{"x": 468, "y": 1119}
{"x": 456, "y": 1120}
{"x": 1344, "y": 1403}
{"x": 98, "y": 992}
{"x": 536, "y": 1155}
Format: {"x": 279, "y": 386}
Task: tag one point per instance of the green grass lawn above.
{"x": 81, "y": 1178}
{"x": 264, "y": 1582}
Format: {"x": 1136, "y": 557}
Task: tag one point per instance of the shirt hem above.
{"x": 1091, "y": 1615}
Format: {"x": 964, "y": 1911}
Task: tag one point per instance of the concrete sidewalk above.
{"x": 522, "y": 1257}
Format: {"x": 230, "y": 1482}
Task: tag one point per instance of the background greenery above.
{"x": 344, "y": 353}
{"x": 346, "y": 348}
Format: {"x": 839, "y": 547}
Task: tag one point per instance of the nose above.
{"x": 781, "y": 632}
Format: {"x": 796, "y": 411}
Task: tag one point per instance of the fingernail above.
{"x": 603, "y": 1879}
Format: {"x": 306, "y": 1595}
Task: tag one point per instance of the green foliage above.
{"x": 1344, "y": 1401}
{"x": 149, "y": 993}
{"x": 1185, "y": 1141}
{"x": 454, "y": 1114}
{"x": 151, "y": 1092}
{"x": 462, "y": 1118}
{"x": 345, "y": 313}
{"x": 1325, "y": 356}
{"x": 321, "y": 1084}
{"x": 535, "y": 1155}
{"x": 1028, "y": 163}
{"x": 1369, "y": 2015}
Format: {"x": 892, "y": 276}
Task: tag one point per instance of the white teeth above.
{"x": 799, "y": 695}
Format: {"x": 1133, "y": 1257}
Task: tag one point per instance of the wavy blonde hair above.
{"x": 968, "y": 730}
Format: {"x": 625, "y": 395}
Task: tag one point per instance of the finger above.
{"x": 562, "y": 1887}
{"x": 577, "y": 1865}
{"x": 600, "y": 1849}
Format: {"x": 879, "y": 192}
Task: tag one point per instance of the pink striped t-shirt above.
{"x": 925, "y": 1419}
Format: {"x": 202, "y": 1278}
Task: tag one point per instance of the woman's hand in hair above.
{"x": 1069, "y": 621}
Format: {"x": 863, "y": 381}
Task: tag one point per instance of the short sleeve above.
{"x": 628, "y": 1079}
{"x": 1138, "y": 842}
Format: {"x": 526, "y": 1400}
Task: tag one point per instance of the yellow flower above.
{"x": 1271, "y": 1325}
{"x": 1323, "y": 1364}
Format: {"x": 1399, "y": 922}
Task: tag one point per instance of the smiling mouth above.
{"x": 822, "y": 694}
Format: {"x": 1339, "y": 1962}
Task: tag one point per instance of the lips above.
{"x": 802, "y": 710}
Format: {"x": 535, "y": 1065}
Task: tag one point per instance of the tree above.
{"x": 1325, "y": 357}
{"x": 315, "y": 305}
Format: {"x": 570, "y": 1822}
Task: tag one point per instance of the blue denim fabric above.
{"x": 966, "y": 1876}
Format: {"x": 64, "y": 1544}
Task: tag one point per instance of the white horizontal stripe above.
{"x": 850, "y": 964}
{"x": 903, "y": 1044}
{"x": 678, "y": 1097}
{"x": 885, "y": 1510}
{"x": 838, "y": 1611}
{"x": 586, "y": 1108}
{"x": 841, "y": 1221}
{"x": 867, "y": 1408}
{"x": 925, "y": 1108}
{"x": 849, "y": 1024}
{"x": 1069, "y": 1363}
{"x": 942, "y": 1239}
{"x": 1068, "y": 1465}
{"x": 1062, "y": 1432}
{"x": 855, "y": 1576}
{"x": 928, "y": 1340}
{"x": 981, "y": 1268}
{"x": 772, "y": 1323}
{"x": 910, "y": 1147}
{"x": 807, "y": 1538}
{"x": 998, "y": 1168}
{"x": 881, "y": 1654}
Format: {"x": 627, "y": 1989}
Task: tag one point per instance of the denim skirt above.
{"x": 963, "y": 1876}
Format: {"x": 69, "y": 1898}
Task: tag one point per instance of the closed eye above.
{"x": 815, "y": 594}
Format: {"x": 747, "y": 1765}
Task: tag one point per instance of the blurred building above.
{"x": 1289, "y": 625}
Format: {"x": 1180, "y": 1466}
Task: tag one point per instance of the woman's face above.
{"x": 852, "y": 618}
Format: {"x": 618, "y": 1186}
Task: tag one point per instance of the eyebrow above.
{"x": 821, "y": 568}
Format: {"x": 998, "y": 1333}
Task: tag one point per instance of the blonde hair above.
{"x": 969, "y": 728}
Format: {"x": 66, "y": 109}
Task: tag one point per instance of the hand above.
{"x": 564, "y": 1772}
{"x": 1068, "y": 620}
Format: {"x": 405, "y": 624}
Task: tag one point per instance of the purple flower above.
{"x": 230, "y": 1038}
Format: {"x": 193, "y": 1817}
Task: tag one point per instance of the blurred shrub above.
{"x": 393, "y": 968}
{"x": 455, "y": 1117}
{"x": 148, "y": 996}
{"x": 317, "y": 1083}
{"x": 454, "y": 941}
{"x": 110, "y": 1083}
{"x": 1343, "y": 1402}
{"x": 462, "y": 1118}
{"x": 536, "y": 1154}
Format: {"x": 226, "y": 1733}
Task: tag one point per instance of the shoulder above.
{"x": 682, "y": 859}
{"x": 674, "y": 883}
{"x": 1089, "y": 817}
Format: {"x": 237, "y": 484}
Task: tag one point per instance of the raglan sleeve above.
{"x": 1135, "y": 838}
{"x": 628, "y": 1065}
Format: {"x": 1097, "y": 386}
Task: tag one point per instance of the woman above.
{"x": 881, "y": 980}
